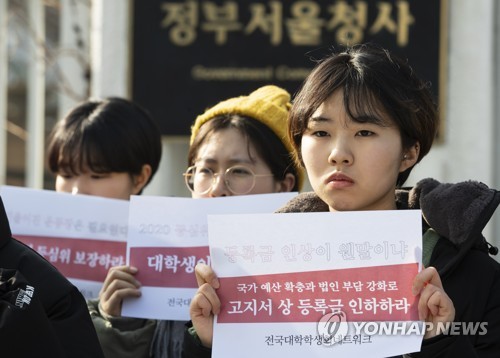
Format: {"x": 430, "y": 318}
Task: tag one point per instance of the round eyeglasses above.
{"x": 239, "y": 180}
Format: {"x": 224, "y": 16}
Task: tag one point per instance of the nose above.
{"x": 219, "y": 187}
{"x": 78, "y": 187}
{"x": 341, "y": 153}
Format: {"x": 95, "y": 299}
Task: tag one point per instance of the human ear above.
{"x": 140, "y": 180}
{"x": 410, "y": 157}
{"x": 286, "y": 184}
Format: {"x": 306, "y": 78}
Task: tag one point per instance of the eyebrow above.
{"x": 231, "y": 162}
{"x": 364, "y": 119}
{"x": 319, "y": 119}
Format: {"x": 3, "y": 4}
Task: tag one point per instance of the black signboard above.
{"x": 188, "y": 55}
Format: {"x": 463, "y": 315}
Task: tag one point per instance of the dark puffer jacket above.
{"x": 41, "y": 313}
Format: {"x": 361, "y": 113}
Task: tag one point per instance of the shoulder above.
{"x": 456, "y": 211}
{"x": 473, "y": 267}
{"x": 50, "y": 283}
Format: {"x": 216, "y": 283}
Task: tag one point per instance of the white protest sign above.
{"x": 82, "y": 236}
{"x": 168, "y": 237}
{"x": 316, "y": 284}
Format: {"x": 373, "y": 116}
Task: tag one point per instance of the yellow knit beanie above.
{"x": 268, "y": 104}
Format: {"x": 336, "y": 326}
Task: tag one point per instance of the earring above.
{"x": 405, "y": 157}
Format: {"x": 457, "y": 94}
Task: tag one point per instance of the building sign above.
{"x": 188, "y": 55}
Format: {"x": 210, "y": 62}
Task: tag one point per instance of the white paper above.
{"x": 280, "y": 273}
{"x": 82, "y": 236}
{"x": 171, "y": 235}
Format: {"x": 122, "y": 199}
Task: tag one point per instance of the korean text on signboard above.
{"x": 189, "y": 55}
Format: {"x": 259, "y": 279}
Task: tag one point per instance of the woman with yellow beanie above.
{"x": 240, "y": 146}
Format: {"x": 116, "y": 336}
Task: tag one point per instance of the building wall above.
{"x": 470, "y": 149}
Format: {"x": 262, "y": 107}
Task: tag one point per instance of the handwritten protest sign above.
{"x": 82, "y": 236}
{"x": 168, "y": 237}
{"x": 321, "y": 284}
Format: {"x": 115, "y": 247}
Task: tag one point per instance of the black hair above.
{"x": 104, "y": 136}
{"x": 372, "y": 79}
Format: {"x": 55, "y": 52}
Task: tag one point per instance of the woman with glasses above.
{"x": 239, "y": 147}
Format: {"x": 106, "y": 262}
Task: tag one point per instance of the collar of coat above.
{"x": 458, "y": 212}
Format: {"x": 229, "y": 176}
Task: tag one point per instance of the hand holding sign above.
{"x": 119, "y": 284}
{"x": 434, "y": 305}
{"x": 205, "y": 304}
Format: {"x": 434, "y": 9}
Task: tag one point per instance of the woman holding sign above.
{"x": 109, "y": 148}
{"x": 237, "y": 147}
{"x": 360, "y": 123}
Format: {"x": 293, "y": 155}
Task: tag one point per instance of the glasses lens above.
{"x": 199, "y": 179}
{"x": 240, "y": 180}
{"x": 189, "y": 178}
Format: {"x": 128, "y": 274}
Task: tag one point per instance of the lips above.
{"x": 339, "y": 178}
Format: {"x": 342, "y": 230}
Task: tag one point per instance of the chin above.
{"x": 335, "y": 204}
{"x": 338, "y": 205}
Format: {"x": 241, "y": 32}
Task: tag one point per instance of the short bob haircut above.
{"x": 104, "y": 136}
{"x": 267, "y": 144}
{"x": 373, "y": 82}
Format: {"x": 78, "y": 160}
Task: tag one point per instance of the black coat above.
{"x": 41, "y": 313}
{"x": 458, "y": 213}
